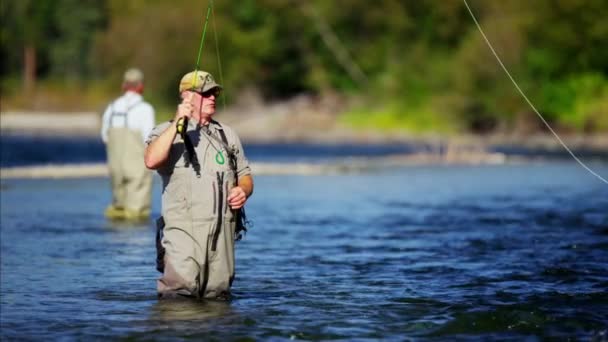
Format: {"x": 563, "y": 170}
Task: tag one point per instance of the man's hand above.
{"x": 185, "y": 108}
{"x": 237, "y": 198}
{"x": 158, "y": 151}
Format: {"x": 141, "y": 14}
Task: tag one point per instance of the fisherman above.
{"x": 127, "y": 121}
{"x": 206, "y": 182}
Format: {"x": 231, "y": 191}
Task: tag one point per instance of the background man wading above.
{"x": 126, "y": 123}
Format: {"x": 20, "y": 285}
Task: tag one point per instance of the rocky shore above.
{"x": 300, "y": 120}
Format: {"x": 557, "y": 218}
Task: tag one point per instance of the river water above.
{"x": 423, "y": 253}
{"x": 28, "y": 150}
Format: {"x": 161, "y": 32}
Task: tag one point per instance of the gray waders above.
{"x": 131, "y": 180}
{"x": 197, "y": 242}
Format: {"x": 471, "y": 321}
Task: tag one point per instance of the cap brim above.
{"x": 212, "y": 86}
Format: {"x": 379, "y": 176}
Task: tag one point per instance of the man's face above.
{"x": 204, "y": 103}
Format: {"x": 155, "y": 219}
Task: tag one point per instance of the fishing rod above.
{"x": 182, "y": 123}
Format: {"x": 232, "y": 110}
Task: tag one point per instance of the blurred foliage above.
{"x": 426, "y": 65}
{"x": 61, "y": 31}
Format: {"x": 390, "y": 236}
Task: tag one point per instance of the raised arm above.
{"x": 157, "y": 151}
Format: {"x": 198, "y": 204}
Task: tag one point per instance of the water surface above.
{"x": 424, "y": 253}
{"x": 28, "y": 150}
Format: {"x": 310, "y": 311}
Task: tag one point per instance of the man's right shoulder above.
{"x": 163, "y": 125}
{"x": 158, "y": 130}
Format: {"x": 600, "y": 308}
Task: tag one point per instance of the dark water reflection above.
{"x": 510, "y": 252}
{"x": 28, "y": 150}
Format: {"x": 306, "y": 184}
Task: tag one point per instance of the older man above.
{"x": 127, "y": 121}
{"x": 206, "y": 181}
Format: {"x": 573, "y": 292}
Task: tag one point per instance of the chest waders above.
{"x": 131, "y": 180}
{"x": 195, "y": 236}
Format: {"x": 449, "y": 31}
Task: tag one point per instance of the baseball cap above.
{"x": 133, "y": 75}
{"x": 198, "y": 80}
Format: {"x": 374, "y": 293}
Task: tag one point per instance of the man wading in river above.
{"x": 206, "y": 181}
{"x": 126, "y": 124}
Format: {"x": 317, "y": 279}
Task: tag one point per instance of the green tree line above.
{"x": 420, "y": 65}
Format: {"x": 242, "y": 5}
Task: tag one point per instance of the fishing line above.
{"x": 526, "y": 98}
{"x": 219, "y": 62}
{"x": 182, "y": 123}
{"x": 198, "y": 59}
{"x": 200, "y": 48}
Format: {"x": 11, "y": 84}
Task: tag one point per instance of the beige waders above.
{"x": 198, "y": 235}
{"x": 131, "y": 180}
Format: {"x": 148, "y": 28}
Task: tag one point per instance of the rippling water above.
{"x": 506, "y": 252}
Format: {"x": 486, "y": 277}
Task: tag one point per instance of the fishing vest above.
{"x": 197, "y": 177}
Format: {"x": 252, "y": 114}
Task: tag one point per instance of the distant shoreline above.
{"x": 278, "y": 128}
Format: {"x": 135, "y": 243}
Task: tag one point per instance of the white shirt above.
{"x": 139, "y": 115}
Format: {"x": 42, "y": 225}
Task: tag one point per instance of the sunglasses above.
{"x": 215, "y": 92}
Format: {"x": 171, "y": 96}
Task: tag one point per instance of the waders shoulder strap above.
{"x": 223, "y": 136}
{"x": 122, "y": 114}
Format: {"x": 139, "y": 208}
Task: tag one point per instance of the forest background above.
{"x": 415, "y": 66}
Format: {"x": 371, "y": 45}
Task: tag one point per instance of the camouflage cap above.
{"x": 198, "y": 80}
